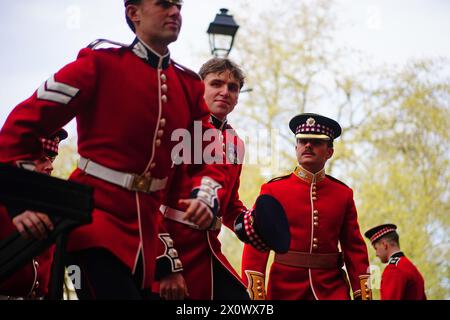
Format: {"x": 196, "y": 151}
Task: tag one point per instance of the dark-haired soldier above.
{"x": 401, "y": 280}
{"x": 322, "y": 216}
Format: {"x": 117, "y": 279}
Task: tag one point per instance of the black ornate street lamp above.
{"x": 221, "y": 33}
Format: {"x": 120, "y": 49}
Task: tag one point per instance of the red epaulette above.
{"x": 337, "y": 180}
{"x": 94, "y": 44}
{"x": 279, "y": 178}
{"x": 187, "y": 70}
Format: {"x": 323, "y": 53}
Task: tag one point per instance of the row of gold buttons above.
{"x": 315, "y": 216}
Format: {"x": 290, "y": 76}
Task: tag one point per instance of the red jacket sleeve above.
{"x": 208, "y": 170}
{"x": 253, "y": 268}
{"x": 254, "y": 264}
{"x": 167, "y": 260}
{"x": 52, "y": 106}
{"x": 33, "y": 276}
{"x": 235, "y": 206}
{"x": 353, "y": 246}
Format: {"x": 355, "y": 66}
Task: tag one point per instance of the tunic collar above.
{"x": 217, "y": 123}
{"x": 309, "y": 177}
{"x": 145, "y": 52}
{"x": 397, "y": 254}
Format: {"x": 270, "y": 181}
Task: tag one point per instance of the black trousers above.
{"x": 104, "y": 277}
{"x": 225, "y": 285}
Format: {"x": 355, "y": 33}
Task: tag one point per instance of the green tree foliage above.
{"x": 293, "y": 65}
{"x": 405, "y": 179}
{"x": 67, "y": 158}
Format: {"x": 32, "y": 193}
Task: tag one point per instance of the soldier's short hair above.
{"x": 219, "y": 65}
{"x": 392, "y": 237}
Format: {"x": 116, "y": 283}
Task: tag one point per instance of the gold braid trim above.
{"x": 365, "y": 292}
{"x": 256, "y": 285}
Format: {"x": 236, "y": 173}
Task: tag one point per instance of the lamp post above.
{"x": 221, "y": 34}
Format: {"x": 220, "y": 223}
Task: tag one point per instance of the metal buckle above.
{"x": 141, "y": 183}
{"x": 217, "y": 224}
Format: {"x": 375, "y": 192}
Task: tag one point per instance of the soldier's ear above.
{"x": 330, "y": 152}
{"x": 384, "y": 243}
{"x": 133, "y": 13}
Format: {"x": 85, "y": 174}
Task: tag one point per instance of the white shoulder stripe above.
{"x": 56, "y": 91}
{"x": 61, "y": 87}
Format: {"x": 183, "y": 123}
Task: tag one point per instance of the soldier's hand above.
{"x": 173, "y": 287}
{"x": 33, "y": 224}
{"x": 197, "y": 212}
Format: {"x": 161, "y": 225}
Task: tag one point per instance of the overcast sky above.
{"x": 39, "y": 37}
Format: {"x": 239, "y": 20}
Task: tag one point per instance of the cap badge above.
{"x": 310, "y": 122}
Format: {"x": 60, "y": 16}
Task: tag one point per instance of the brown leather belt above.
{"x": 310, "y": 260}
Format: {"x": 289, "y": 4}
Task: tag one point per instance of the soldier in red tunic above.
{"x": 31, "y": 281}
{"x": 322, "y": 218}
{"x": 128, "y": 102}
{"x": 401, "y": 280}
{"x": 190, "y": 263}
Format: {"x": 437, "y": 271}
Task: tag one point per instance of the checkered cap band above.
{"x": 380, "y": 233}
{"x": 50, "y": 146}
{"x": 255, "y": 240}
{"x": 315, "y": 129}
{"x": 176, "y": 2}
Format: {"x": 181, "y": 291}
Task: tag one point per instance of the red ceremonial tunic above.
{"x": 197, "y": 248}
{"x": 30, "y": 281}
{"x": 321, "y": 214}
{"x": 402, "y": 280}
{"x": 127, "y": 102}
